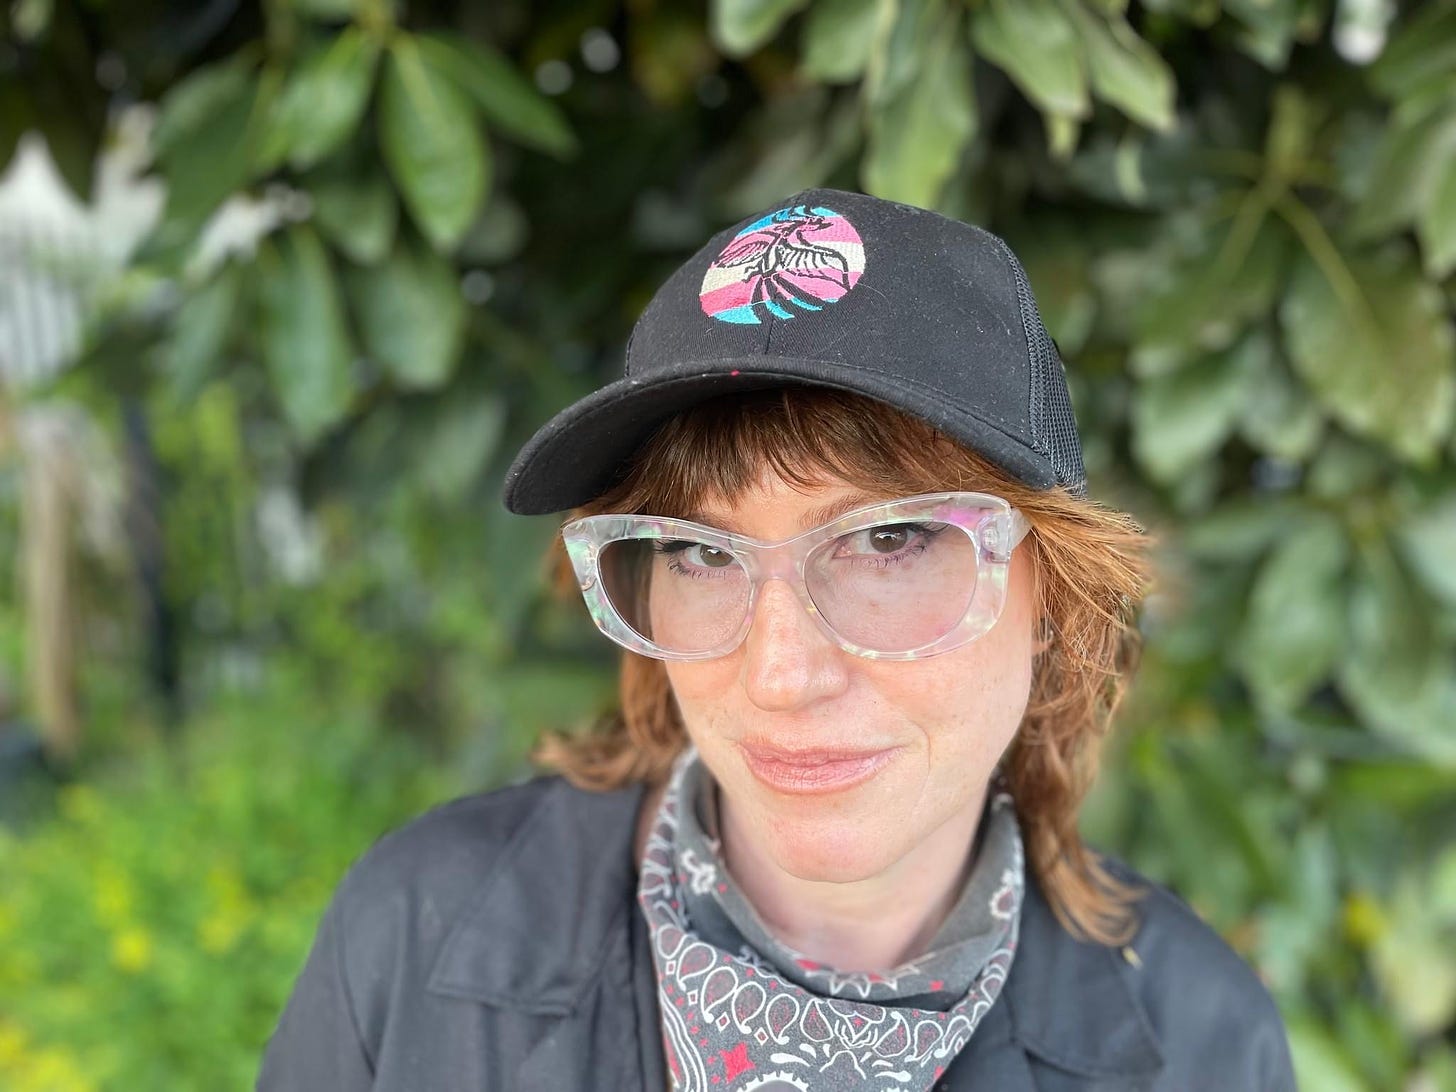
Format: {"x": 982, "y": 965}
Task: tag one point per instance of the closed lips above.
{"x": 814, "y": 771}
{"x": 809, "y": 758}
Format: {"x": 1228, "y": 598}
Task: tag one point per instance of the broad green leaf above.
{"x": 330, "y": 10}
{"x": 904, "y": 31}
{"x": 1291, "y": 129}
{"x": 1409, "y": 167}
{"x": 304, "y": 339}
{"x": 1279, "y": 417}
{"x": 1373, "y": 1038}
{"x": 1244, "y": 821}
{"x": 206, "y": 138}
{"x": 1404, "y": 784}
{"x": 1237, "y": 531}
{"x": 1443, "y": 886}
{"x": 1395, "y": 674}
{"x": 1437, "y": 223}
{"x": 1345, "y": 467}
{"x": 506, "y": 98}
{"x": 1062, "y": 131}
{"x": 464, "y": 435}
{"x": 1266, "y": 29}
{"x": 741, "y": 26}
{"x": 431, "y": 144}
{"x": 1428, "y": 541}
{"x": 325, "y": 100}
{"x": 671, "y": 57}
{"x": 411, "y": 315}
{"x": 1200, "y": 13}
{"x": 357, "y": 213}
{"x": 1421, "y": 55}
{"x": 1125, "y": 70}
{"x": 200, "y": 334}
{"x": 1293, "y": 630}
{"x": 1437, "y": 1069}
{"x": 916, "y": 139}
{"x": 500, "y": 233}
{"x": 196, "y": 102}
{"x": 1314, "y": 876}
{"x": 1057, "y": 262}
{"x": 1207, "y": 301}
{"x": 1035, "y": 44}
{"x": 1285, "y": 946}
{"x": 1319, "y": 1062}
{"x": 1412, "y": 962}
{"x": 804, "y": 138}
{"x": 838, "y": 37}
{"x": 1373, "y": 341}
{"x": 1181, "y": 419}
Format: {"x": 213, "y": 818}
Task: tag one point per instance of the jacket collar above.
{"x": 568, "y": 874}
{"x": 1072, "y": 1004}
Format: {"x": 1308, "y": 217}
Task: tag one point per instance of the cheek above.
{"x": 701, "y": 691}
{"x": 970, "y": 702}
{"x": 972, "y": 707}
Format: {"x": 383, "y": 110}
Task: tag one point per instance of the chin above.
{"x": 824, "y": 855}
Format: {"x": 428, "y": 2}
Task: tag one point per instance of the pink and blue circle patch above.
{"x": 794, "y": 261}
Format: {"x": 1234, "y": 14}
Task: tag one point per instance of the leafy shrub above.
{"x": 150, "y": 930}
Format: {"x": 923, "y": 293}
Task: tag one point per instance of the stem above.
{"x": 1327, "y": 256}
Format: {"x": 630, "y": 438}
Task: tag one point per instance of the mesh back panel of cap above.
{"x": 1053, "y": 428}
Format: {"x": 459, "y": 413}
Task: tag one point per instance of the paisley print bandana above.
{"x": 734, "y": 1021}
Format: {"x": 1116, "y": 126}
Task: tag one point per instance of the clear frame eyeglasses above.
{"x": 900, "y": 580}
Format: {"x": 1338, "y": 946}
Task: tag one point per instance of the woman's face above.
{"x": 928, "y": 733}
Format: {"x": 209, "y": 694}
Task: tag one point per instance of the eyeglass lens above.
{"x": 891, "y": 587}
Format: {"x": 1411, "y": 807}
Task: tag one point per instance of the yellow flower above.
{"x": 226, "y": 887}
{"x": 52, "y": 1070}
{"x": 12, "y": 1046}
{"x": 131, "y": 950}
{"x": 219, "y": 932}
{"x": 1365, "y": 921}
{"x": 112, "y": 897}
{"x": 79, "y": 803}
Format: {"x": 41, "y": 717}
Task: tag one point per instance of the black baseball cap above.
{"x": 829, "y": 288}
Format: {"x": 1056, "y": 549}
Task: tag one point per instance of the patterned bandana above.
{"x": 742, "y": 1011}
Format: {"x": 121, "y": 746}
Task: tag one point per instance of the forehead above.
{"x": 779, "y": 517}
{"x": 774, "y": 506}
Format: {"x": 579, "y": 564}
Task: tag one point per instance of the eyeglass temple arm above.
{"x": 1020, "y": 528}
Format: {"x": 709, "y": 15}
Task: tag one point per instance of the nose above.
{"x": 789, "y": 662}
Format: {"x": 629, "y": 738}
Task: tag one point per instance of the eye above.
{"x": 699, "y": 554}
{"x": 887, "y": 538}
{"x": 710, "y": 557}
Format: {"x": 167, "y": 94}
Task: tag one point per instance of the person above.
{"x": 874, "y": 633}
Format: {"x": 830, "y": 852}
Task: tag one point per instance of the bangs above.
{"x": 716, "y": 451}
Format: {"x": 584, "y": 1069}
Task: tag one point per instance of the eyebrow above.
{"x": 814, "y": 517}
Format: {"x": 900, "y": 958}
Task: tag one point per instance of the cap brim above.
{"x": 585, "y": 449}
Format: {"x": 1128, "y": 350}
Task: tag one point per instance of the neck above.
{"x": 874, "y": 924}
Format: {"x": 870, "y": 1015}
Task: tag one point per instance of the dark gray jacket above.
{"x": 495, "y": 943}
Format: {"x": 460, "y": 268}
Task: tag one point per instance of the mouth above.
{"x": 813, "y": 771}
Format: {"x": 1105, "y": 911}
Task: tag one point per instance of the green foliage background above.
{"x": 1240, "y": 219}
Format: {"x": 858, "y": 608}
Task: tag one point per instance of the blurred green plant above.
{"x": 148, "y": 931}
{"x": 1239, "y": 217}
